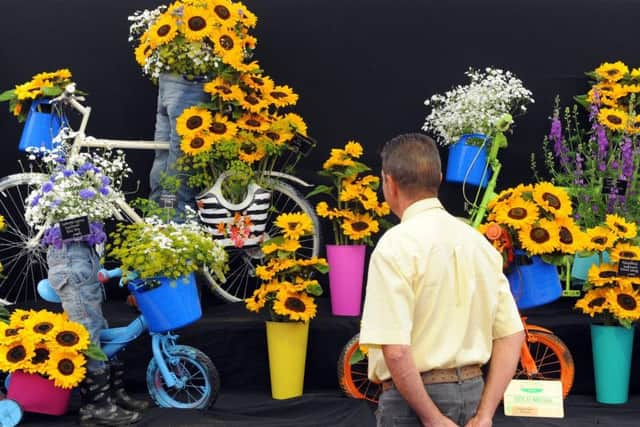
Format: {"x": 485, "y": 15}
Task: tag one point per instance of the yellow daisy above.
{"x": 540, "y": 237}
{"x": 620, "y": 227}
{"x": 359, "y": 226}
{"x": 593, "y": 302}
{"x": 613, "y": 119}
{"x": 295, "y": 306}
{"x": 600, "y": 238}
{"x": 193, "y": 120}
{"x": 517, "y": 213}
{"x": 612, "y": 71}
{"x": 197, "y": 143}
{"x": 294, "y": 225}
{"x": 71, "y": 336}
{"x": 626, "y": 251}
{"x": 66, "y": 368}
{"x": 603, "y": 274}
{"x": 197, "y": 23}
{"x": 552, "y": 199}
{"x": 624, "y": 303}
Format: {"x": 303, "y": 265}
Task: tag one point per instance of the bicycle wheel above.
{"x": 200, "y": 380}
{"x": 23, "y": 258}
{"x": 353, "y": 379}
{"x": 552, "y": 358}
{"x": 241, "y": 279}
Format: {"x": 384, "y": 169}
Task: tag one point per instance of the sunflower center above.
{"x": 273, "y": 136}
{"x": 253, "y": 123}
{"x": 43, "y": 327}
{"x": 539, "y": 235}
{"x": 251, "y": 99}
{"x": 222, "y": 12}
{"x": 11, "y": 332}
{"x": 16, "y": 354}
{"x": 218, "y": 128}
{"x": 599, "y": 240}
{"x": 226, "y": 42}
{"x": 224, "y": 89}
{"x": 627, "y": 254}
{"x": 196, "y": 142}
{"x": 359, "y": 225}
{"x": 249, "y": 147}
{"x": 197, "y": 23}
{"x": 295, "y": 304}
{"x": 292, "y": 225}
{"x": 66, "y": 367}
{"x": 67, "y": 338}
{"x": 552, "y": 200}
{"x": 517, "y": 213}
{"x": 257, "y": 80}
{"x": 194, "y": 122}
{"x": 627, "y": 302}
{"x": 621, "y": 228}
{"x": 614, "y": 119}
{"x": 597, "y": 302}
{"x": 607, "y": 274}
{"x": 42, "y": 355}
{"x": 278, "y": 95}
{"x": 164, "y": 30}
{"x": 612, "y": 72}
{"x": 565, "y": 236}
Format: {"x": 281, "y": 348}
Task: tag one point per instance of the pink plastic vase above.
{"x": 346, "y": 270}
{"x": 38, "y": 394}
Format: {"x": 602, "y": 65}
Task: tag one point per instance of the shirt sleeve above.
{"x": 507, "y": 320}
{"x": 387, "y": 316}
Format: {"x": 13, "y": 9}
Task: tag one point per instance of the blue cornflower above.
{"x": 47, "y": 186}
{"x": 104, "y": 191}
{"x": 87, "y": 194}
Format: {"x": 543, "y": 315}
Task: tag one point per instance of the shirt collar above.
{"x": 421, "y": 206}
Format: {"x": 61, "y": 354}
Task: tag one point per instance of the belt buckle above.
{"x": 459, "y": 374}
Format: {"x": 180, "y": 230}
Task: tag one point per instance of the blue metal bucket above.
{"x": 468, "y": 163}
{"x": 40, "y": 127}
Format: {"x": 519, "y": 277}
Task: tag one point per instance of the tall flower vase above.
{"x": 468, "y": 163}
{"x": 287, "y": 347}
{"x": 346, "y": 273}
{"x": 612, "y": 347}
{"x": 533, "y": 282}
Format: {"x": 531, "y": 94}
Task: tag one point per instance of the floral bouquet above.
{"x": 536, "y": 219}
{"x": 612, "y": 291}
{"x": 358, "y": 213}
{"x": 288, "y": 287}
{"x": 477, "y": 106}
{"x": 193, "y": 38}
{"x": 599, "y": 164}
{"x": 48, "y": 344}
{"x": 42, "y": 85}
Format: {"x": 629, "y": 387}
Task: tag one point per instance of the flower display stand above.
{"x": 468, "y": 163}
{"x": 287, "y": 348}
{"x": 40, "y": 127}
{"x": 612, "y": 348}
{"x": 171, "y": 305}
{"x": 346, "y": 274}
{"x": 534, "y": 282}
{"x": 35, "y": 393}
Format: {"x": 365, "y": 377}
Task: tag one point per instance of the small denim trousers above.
{"x": 175, "y": 94}
{"x": 457, "y": 401}
{"x": 73, "y": 273}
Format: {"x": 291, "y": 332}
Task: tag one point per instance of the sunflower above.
{"x": 38, "y": 363}
{"x": 252, "y": 101}
{"x": 570, "y": 238}
{"x": 163, "y": 30}
{"x": 302, "y": 284}
{"x": 593, "y": 302}
{"x": 338, "y": 158}
{"x": 278, "y": 136}
{"x": 265, "y": 272}
{"x": 287, "y": 245}
{"x": 620, "y": 227}
{"x": 223, "y": 11}
{"x": 66, "y": 369}
{"x": 552, "y": 199}
{"x": 312, "y": 262}
{"x": 142, "y": 52}
{"x": 225, "y": 90}
{"x": 613, "y": 119}
{"x": 626, "y": 251}
{"x": 281, "y": 96}
{"x": 612, "y": 71}
{"x": 247, "y": 18}
{"x": 193, "y": 120}
{"x": 251, "y": 150}
{"x": 294, "y": 225}
{"x": 42, "y": 326}
{"x": 197, "y": 143}
{"x": 322, "y": 209}
{"x": 359, "y": 226}
{"x": 250, "y": 67}
{"x": 634, "y": 125}
{"x": 19, "y": 316}
{"x": 624, "y": 303}
{"x": 600, "y": 238}
{"x": 9, "y": 334}
{"x": 603, "y": 274}
{"x": 221, "y": 128}
{"x": 354, "y": 149}
{"x": 226, "y": 43}
{"x": 71, "y": 336}
{"x": 16, "y": 355}
{"x": 256, "y": 301}
{"x": 297, "y": 123}
{"x": 540, "y": 237}
{"x": 257, "y": 82}
{"x": 296, "y": 306}
{"x": 254, "y": 122}
{"x": 517, "y": 213}
{"x": 197, "y": 23}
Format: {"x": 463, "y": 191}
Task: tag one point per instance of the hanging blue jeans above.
{"x": 175, "y": 94}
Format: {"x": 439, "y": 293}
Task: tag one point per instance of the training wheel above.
{"x": 10, "y": 413}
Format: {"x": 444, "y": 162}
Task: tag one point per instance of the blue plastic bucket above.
{"x": 612, "y": 347}
{"x": 468, "y": 163}
{"x": 171, "y": 305}
{"x": 40, "y": 127}
{"x": 581, "y": 265}
{"x": 534, "y": 282}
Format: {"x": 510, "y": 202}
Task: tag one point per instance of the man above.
{"x": 437, "y": 306}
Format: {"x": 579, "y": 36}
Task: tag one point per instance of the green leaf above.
{"x": 320, "y": 189}
{"x": 4, "y": 314}
{"x": 7, "y": 95}
{"x": 51, "y": 91}
{"x": 324, "y": 269}
{"x": 94, "y": 352}
{"x": 356, "y": 357}
{"x": 314, "y": 289}
{"x": 582, "y": 100}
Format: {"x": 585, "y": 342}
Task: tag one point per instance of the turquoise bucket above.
{"x": 468, "y": 163}
{"x": 40, "y": 127}
{"x": 612, "y": 347}
{"x": 534, "y": 282}
{"x": 581, "y": 265}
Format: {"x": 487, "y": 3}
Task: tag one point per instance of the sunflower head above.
{"x": 612, "y": 72}
{"x": 66, "y": 369}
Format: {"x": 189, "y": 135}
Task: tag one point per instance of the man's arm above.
{"x": 504, "y": 361}
{"x": 407, "y": 381}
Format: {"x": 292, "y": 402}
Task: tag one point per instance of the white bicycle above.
{"x": 23, "y": 257}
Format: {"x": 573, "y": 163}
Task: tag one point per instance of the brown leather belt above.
{"x": 440, "y": 376}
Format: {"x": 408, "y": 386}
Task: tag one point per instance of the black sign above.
{"x": 629, "y": 267}
{"x": 74, "y": 227}
{"x": 614, "y": 186}
{"x": 168, "y": 200}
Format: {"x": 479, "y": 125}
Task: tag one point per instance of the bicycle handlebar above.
{"x": 105, "y": 275}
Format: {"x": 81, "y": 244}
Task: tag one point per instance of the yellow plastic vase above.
{"x": 287, "y": 345}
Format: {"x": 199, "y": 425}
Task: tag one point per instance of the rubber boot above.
{"x": 98, "y": 408}
{"x": 118, "y": 393}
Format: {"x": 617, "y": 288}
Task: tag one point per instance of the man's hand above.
{"x": 442, "y": 421}
{"x": 477, "y": 421}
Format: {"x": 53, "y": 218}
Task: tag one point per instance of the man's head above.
{"x": 410, "y": 167}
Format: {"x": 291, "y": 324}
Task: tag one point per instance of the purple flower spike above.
{"x": 87, "y": 194}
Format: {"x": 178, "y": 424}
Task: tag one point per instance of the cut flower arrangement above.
{"x": 477, "y": 106}
{"x": 358, "y": 214}
{"x": 288, "y": 288}
{"x": 48, "y": 344}
{"x": 610, "y": 295}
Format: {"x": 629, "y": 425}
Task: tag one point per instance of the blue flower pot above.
{"x": 40, "y": 127}
{"x": 534, "y": 282}
{"x": 581, "y": 265}
{"x": 468, "y": 163}
{"x": 612, "y": 347}
{"x": 171, "y": 305}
